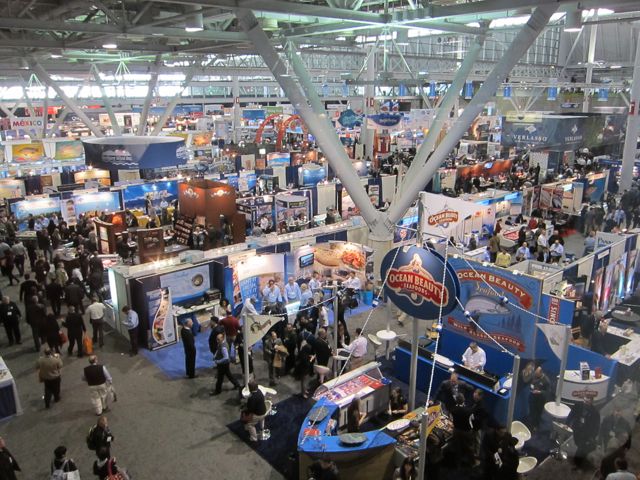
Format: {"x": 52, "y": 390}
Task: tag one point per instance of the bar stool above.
{"x": 265, "y": 433}
{"x": 321, "y": 371}
{"x": 520, "y": 431}
{"x": 526, "y": 464}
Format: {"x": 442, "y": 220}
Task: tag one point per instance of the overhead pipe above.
{"x": 633, "y": 126}
{"x": 106, "y": 102}
{"x": 525, "y": 38}
{"x": 316, "y": 121}
{"x": 153, "y": 81}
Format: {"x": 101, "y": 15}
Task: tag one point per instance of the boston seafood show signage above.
{"x": 414, "y": 282}
{"x": 131, "y": 153}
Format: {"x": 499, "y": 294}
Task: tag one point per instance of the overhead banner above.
{"x": 414, "y": 282}
{"x": 384, "y": 121}
{"x": 349, "y": 119}
{"x": 543, "y": 130}
{"x": 129, "y": 153}
{"x": 514, "y": 328}
{"x": 161, "y": 320}
{"x": 69, "y": 150}
{"x": 27, "y": 152}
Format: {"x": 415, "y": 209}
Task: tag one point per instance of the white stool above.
{"x": 526, "y": 464}
{"x": 322, "y": 372}
{"x": 376, "y": 343}
{"x": 520, "y": 431}
{"x": 265, "y": 433}
{"x": 558, "y": 411}
{"x": 387, "y": 336}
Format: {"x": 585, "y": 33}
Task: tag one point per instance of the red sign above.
{"x": 442, "y": 218}
{"x": 554, "y": 310}
{"x": 524, "y": 298}
{"x": 470, "y": 329}
{"x": 415, "y": 283}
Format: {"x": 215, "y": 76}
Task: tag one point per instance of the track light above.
{"x": 573, "y": 21}
{"x": 195, "y": 21}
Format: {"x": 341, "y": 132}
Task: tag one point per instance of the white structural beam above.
{"x": 367, "y": 135}
{"x": 235, "y": 92}
{"x": 316, "y": 121}
{"x": 304, "y": 77}
{"x": 633, "y": 126}
{"x": 516, "y": 50}
{"x": 172, "y": 104}
{"x": 591, "y": 57}
{"x": 46, "y": 79}
{"x": 153, "y": 81}
{"x": 105, "y": 101}
{"x": 443, "y": 110}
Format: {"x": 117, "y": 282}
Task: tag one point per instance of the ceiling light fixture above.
{"x": 195, "y": 21}
{"x": 109, "y": 45}
{"x": 573, "y": 21}
{"x": 402, "y": 37}
{"x": 615, "y": 67}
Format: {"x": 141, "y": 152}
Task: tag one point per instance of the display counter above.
{"x": 575, "y": 389}
{"x": 9, "y": 400}
{"x": 319, "y": 436}
{"x": 629, "y": 352}
{"x": 200, "y": 314}
{"x": 495, "y": 402}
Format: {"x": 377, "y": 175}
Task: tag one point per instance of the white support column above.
{"x": 366, "y": 134}
{"x": 106, "y": 102}
{"x": 443, "y": 110}
{"x": 525, "y": 38}
{"x": 45, "y": 109}
{"x": 153, "y": 81}
{"x": 172, "y": 105}
{"x": 633, "y": 125}
{"x": 316, "y": 121}
{"x": 46, "y": 79}
{"x": 305, "y": 80}
{"x": 591, "y": 56}
{"x": 236, "y": 122}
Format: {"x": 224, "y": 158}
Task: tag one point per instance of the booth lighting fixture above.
{"x": 615, "y": 67}
{"x": 504, "y": 301}
{"x": 455, "y": 255}
{"x": 110, "y": 45}
{"x": 438, "y": 327}
{"x": 467, "y": 314}
{"x": 573, "y": 21}
{"x": 485, "y": 264}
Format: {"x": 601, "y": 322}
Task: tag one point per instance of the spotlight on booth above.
{"x": 504, "y": 301}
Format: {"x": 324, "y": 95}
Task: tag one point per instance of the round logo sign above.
{"x": 414, "y": 282}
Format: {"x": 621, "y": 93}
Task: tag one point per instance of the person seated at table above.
{"x": 355, "y": 417}
{"x": 254, "y": 412}
{"x": 398, "y": 405}
{"x": 474, "y": 357}
{"x": 503, "y": 259}
{"x": 523, "y": 252}
{"x": 449, "y": 389}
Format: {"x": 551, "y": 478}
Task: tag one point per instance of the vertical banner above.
{"x": 468, "y": 90}
{"x": 513, "y": 327}
{"x": 161, "y": 319}
{"x": 507, "y": 91}
{"x": 552, "y": 94}
{"x": 432, "y": 90}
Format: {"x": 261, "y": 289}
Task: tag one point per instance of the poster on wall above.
{"x": 407, "y": 228}
{"x": 201, "y": 139}
{"x": 278, "y": 159}
{"x": 253, "y": 275}
{"x": 248, "y": 162}
{"x": 596, "y": 186}
{"x": 159, "y": 192}
{"x": 512, "y": 327}
{"x": 247, "y": 180}
{"x": 161, "y": 319}
{"x": 290, "y": 208}
{"x": 334, "y": 260}
{"x": 188, "y": 283}
{"x": 150, "y": 244}
{"x": 101, "y": 176}
{"x": 11, "y": 188}
{"x": 27, "y": 152}
{"x": 96, "y": 202}
{"x": 36, "y": 206}
{"x": 311, "y": 174}
{"x": 631, "y": 268}
{"x": 486, "y": 170}
{"x": 69, "y": 150}
{"x": 300, "y": 158}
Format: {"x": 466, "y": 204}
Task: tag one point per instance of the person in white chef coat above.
{"x": 474, "y": 357}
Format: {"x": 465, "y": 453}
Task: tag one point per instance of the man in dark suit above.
{"x": 584, "y": 419}
{"x": 449, "y": 389}
{"x": 35, "y": 316}
{"x": 189, "y": 344}
{"x": 10, "y": 317}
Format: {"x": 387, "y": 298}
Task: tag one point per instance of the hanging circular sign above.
{"x": 414, "y": 282}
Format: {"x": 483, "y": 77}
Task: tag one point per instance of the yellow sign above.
{"x": 69, "y": 150}
{"x": 27, "y": 152}
{"x": 433, "y": 415}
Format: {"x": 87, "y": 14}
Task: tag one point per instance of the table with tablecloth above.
{"x": 9, "y": 399}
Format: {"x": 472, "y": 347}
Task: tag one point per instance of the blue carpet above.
{"x": 280, "y": 451}
{"x": 170, "y": 360}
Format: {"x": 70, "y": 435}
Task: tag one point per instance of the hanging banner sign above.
{"x": 25, "y": 123}
{"x": 349, "y": 119}
{"x": 414, "y": 282}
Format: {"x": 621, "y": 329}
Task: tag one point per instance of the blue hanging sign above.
{"x": 414, "y": 282}
{"x": 403, "y": 90}
{"x": 433, "y": 90}
{"x": 348, "y": 118}
{"x": 345, "y": 89}
{"x": 468, "y": 90}
{"x": 507, "y": 91}
{"x": 603, "y": 94}
{"x": 325, "y": 90}
{"x": 386, "y": 119}
{"x": 552, "y": 94}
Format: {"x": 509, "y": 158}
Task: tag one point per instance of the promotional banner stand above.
{"x": 336, "y": 306}
{"x": 414, "y": 365}
{"x": 514, "y": 389}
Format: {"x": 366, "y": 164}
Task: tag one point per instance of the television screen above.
{"x": 306, "y": 260}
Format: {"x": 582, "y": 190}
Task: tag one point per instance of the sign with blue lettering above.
{"x": 414, "y": 282}
{"x": 386, "y": 120}
{"x": 349, "y": 119}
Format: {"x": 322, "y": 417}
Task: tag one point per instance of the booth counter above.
{"x": 9, "y": 399}
{"x": 628, "y": 353}
{"x": 319, "y": 434}
{"x": 575, "y": 389}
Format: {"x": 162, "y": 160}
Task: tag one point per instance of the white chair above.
{"x": 521, "y": 432}
{"x": 265, "y": 433}
{"x": 526, "y": 464}
{"x": 376, "y": 343}
{"x": 321, "y": 371}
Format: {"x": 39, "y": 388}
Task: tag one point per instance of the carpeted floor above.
{"x": 281, "y": 449}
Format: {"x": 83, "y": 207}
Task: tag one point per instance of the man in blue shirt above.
{"x": 222, "y": 361}
{"x": 131, "y": 323}
{"x": 271, "y": 294}
{"x": 292, "y": 291}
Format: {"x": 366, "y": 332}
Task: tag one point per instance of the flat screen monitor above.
{"x": 306, "y": 260}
